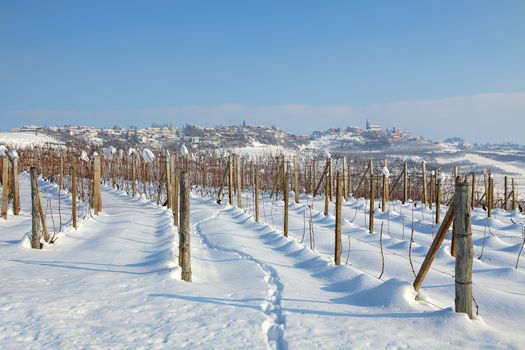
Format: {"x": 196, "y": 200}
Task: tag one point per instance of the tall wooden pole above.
{"x": 134, "y": 174}
{"x": 286, "y": 199}
{"x": 385, "y": 189}
{"x": 371, "y": 212}
{"x": 35, "y": 203}
{"x": 424, "y": 199}
{"x": 296, "y": 180}
{"x": 344, "y": 179}
{"x": 230, "y": 180}
{"x": 97, "y": 198}
{"x": 5, "y": 186}
{"x": 465, "y": 250}
{"x": 184, "y": 229}
{"x": 405, "y": 182}
{"x": 473, "y": 191}
{"x": 438, "y": 199}
{"x": 74, "y": 193}
{"x": 168, "y": 179}
{"x": 489, "y": 196}
{"x": 330, "y": 179}
{"x": 256, "y": 197}
{"x": 326, "y": 199}
{"x": 175, "y": 192}
{"x": 338, "y": 220}
{"x": 238, "y": 181}
{"x": 505, "y": 192}
{"x": 513, "y": 195}
{"x": 16, "y": 188}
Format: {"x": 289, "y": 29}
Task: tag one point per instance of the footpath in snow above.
{"x": 114, "y": 283}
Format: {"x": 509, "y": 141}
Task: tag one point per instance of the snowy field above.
{"x": 27, "y": 139}
{"x": 114, "y": 283}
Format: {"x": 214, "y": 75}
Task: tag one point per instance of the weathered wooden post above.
{"x": 16, "y": 185}
{"x": 326, "y": 190}
{"x": 424, "y": 199}
{"x": 167, "y": 166}
{"x": 386, "y": 175}
{"x": 345, "y": 179}
{"x": 175, "y": 192}
{"x": 97, "y": 198}
{"x": 432, "y": 188}
{"x": 473, "y": 191}
{"x": 438, "y": 197}
{"x": 286, "y": 200}
{"x": 338, "y": 220}
{"x": 372, "y": 195}
{"x": 35, "y": 203}
{"x": 465, "y": 250}
{"x": 5, "y": 185}
{"x": 184, "y": 228}
{"x": 256, "y": 197}
{"x": 489, "y": 195}
{"x": 61, "y": 170}
{"x": 505, "y": 184}
{"x": 513, "y": 195}
{"x": 330, "y": 179}
{"x": 133, "y": 173}
{"x": 74, "y": 193}
{"x": 238, "y": 183}
{"x": 230, "y": 180}
{"x": 405, "y": 182}
{"x": 296, "y": 179}
{"x": 434, "y": 247}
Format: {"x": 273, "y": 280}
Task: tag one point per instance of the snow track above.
{"x": 275, "y": 324}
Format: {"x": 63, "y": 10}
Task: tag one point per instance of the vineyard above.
{"x": 147, "y": 248}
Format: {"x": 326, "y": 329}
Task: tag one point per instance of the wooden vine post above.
{"x": 505, "y": 184}
{"x": 174, "y": 192}
{"x": 327, "y": 188}
{"x": 434, "y": 247}
{"x": 5, "y": 185}
{"x": 513, "y": 195}
{"x": 405, "y": 182}
{"x": 424, "y": 199}
{"x": 167, "y": 170}
{"x": 465, "y": 250}
{"x": 61, "y": 171}
{"x": 230, "y": 180}
{"x": 296, "y": 180}
{"x": 74, "y": 193}
{"x": 338, "y": 219}
{"x": 35, "y": 214}
{"x": 372, "y": 195}
{"x": 472, "y": 191}
{"x": 134, "y": 174}
{"x": 438, "y": 199}
{"x": 97, "y": 197}
{"x": 286, "y": 200}
{"x": 238, "y": 183}
{"x": 345, "y": 179}
{"x": 330, "y": 180}
{"x": 16, "y": 187}
{"x": 256, "y": 196}
{"x": 184, "y": 229}
{"x": 385, "y": 187}
{"x": 489, "y": 196}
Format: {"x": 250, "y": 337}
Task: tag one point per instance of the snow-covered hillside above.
{"x": 27, "y": 139}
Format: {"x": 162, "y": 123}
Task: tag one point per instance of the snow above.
{"x": 148, "y": 155}
{"x": 115, "y": 282}
{"x": 184, "y": 150}
{"x": 27, "y": 139}
{"x": 84, "y": 156}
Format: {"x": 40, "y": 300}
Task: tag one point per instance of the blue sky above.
{"x": 330, "y": 63}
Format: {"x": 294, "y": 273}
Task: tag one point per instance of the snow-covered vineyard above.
{"x": 282, "y": 252}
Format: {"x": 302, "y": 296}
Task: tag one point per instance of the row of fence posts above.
{"x": 179, "y": 180}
